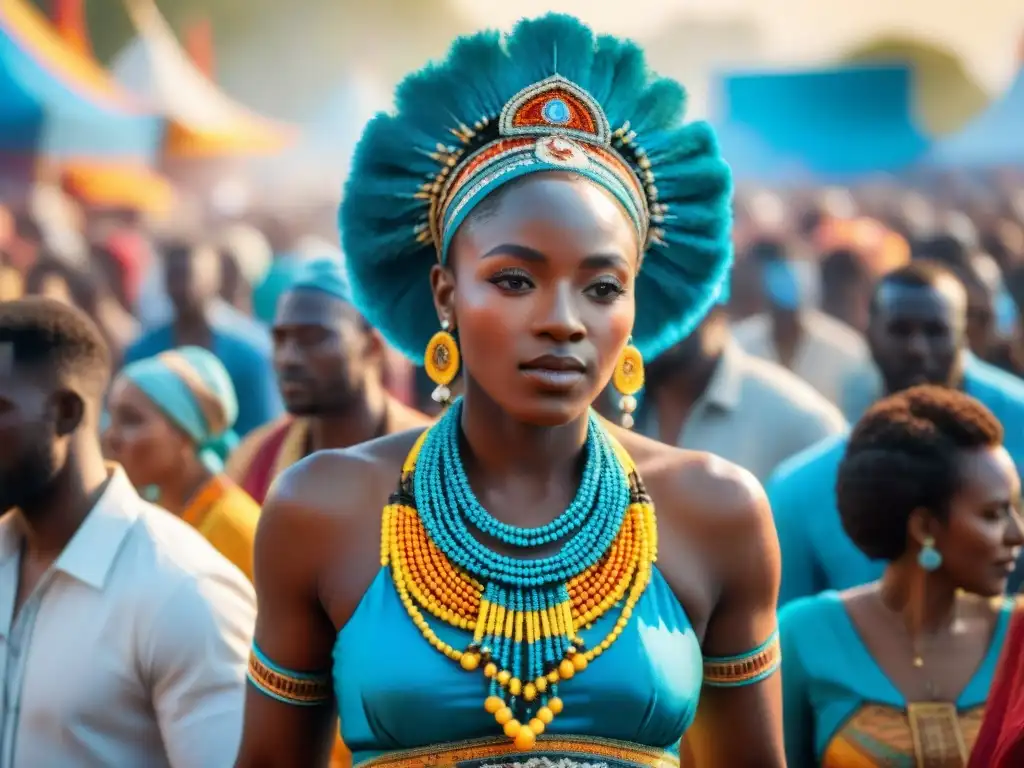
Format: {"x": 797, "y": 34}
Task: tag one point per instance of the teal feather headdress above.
{"x": 549, "y": 96}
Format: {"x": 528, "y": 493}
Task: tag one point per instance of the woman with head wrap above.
{"x": 170, "y": 420}
{"x": 533, "y": 204}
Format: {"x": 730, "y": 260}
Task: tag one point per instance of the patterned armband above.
{"x": 745, "y": 668}
{"x": 298, "y": 688}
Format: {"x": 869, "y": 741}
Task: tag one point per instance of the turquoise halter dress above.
{"x": 408, "y": 695}
{"x": 395, "y": 692}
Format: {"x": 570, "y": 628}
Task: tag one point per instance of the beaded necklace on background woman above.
{"x": 539, "y": 198}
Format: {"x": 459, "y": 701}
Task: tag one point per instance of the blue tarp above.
{"x": 42, "y": 116}
{"x": 995, "y": 138}
{"x": 752, "y": 159}
{"x": 835, "y": 123}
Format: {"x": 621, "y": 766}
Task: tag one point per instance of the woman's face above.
{"x": 141, "y": 439}
{"x": 983, "y": 536}
{"x": 540, "y": 291}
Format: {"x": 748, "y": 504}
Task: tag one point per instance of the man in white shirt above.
{"x": 708, "y": 394}
{"x": 124, "y": 635}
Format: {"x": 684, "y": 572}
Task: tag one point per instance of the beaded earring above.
{"x": 442, "y": 363}
{"x": 929, "y": 558}
{"x": 628, "y": 380}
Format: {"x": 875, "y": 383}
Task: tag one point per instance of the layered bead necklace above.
{"x": 525, "y": 615}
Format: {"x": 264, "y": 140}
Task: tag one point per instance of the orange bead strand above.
{"x": 426, "y": 581}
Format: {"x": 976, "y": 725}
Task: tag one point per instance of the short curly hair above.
{"x": 903, "y": 455}
{"x": 45, "y": 334}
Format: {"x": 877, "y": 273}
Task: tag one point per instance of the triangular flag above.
{"x": 199, "y": 45}
{"x": 69, "y": 19}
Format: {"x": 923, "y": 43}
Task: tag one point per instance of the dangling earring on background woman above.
{"x": 442, "y": 363}
{"x": 628, "y": 380}
{"x": 930, "y": 559}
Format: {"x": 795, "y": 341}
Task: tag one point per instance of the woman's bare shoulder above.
{"x": 702, "y": 491}
{"x": 334, "y": 497}
{"x": 712, "y": 509}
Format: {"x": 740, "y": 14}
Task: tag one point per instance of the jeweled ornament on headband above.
{"x": 553, "y": 124}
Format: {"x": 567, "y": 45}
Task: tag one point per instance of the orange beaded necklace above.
{"x": 428, "y": 582}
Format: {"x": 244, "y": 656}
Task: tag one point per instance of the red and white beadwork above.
{"x": 553, "y": 122}
{"x": 555, "y": 106}
{"x": 564, "y": 152}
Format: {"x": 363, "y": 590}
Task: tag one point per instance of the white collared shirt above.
{"x": 132, "y": 649}
{"x": 754, "y": 413}
{"x": 829, "y": 351}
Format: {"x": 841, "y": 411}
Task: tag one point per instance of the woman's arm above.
{"x": 289, "y": 707}
{"x": 739, "y": 720}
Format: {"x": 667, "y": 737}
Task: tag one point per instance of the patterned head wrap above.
{"x": 548, "y": 97}
{"x": 193, "y": 389}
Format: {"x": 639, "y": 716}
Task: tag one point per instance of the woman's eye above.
{"x": 512, "y": 282}
{"x": 606, "y": 289}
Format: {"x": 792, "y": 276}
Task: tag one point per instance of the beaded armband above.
{"x": 297, "y": 688}
{"x": 745, "y": 668}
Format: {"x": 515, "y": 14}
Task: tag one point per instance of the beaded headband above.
{"x": 553, "y": 125}
{"x": 550, "y": 96}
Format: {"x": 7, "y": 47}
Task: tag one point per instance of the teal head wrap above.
{"x": 193, "y": 389}
{"x": 326, "y": 275}
{"x": 549, "y": 96}
{"x": 268, "y": 291}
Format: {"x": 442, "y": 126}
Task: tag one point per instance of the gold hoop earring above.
{"x": 442, "y": 363}
{"x": 628, "y": 380}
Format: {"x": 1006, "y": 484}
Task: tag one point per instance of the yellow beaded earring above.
{"x": 628, "y": 380}
{"x": 442, "y": 363}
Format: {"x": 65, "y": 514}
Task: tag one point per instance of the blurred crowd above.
{"x": 239, "y": 351}
{"x": 808, "y": 262}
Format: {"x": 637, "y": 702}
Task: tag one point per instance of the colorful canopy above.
{"x": 993, "y": 139}
{"x": 837, "y": 123}
{"x": 56, "y": 103}
{"x": 204, "y": 122}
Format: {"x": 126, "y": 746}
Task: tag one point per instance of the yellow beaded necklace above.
{"x": 426, "y": 581}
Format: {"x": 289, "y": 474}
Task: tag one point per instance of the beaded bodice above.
{"x": 491, "y": 645}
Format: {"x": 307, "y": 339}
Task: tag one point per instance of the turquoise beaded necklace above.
{"x": 451, "y": 514}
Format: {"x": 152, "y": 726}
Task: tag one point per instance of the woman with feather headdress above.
{"x": 535, "y": 217}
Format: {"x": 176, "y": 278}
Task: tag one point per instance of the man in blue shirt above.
{"x": 917, "y": 335}
{"x": 192, "y": 280}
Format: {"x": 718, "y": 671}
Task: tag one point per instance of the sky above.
{"x": 798, "y": 31}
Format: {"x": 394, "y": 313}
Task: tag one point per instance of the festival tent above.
{"x": 754, "y": 160}
{"x": 203, "y": 121}
{"x": 995, "y": 138}
{"x": 838, "y": 123}
{"x": 57, "y": 104}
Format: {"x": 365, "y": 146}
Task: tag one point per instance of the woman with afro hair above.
{"x": 897, "y": 672}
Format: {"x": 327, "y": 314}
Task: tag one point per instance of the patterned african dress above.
{"x": 843, "y": 711}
